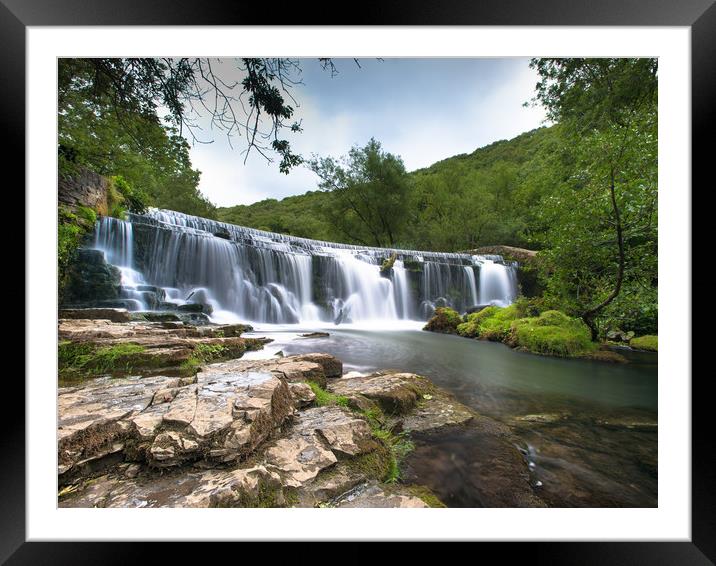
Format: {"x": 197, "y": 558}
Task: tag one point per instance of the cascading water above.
{"x": 497, "y": 284}
{"x": 252, "y": 275}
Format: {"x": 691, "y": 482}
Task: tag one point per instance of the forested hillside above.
{"x": 469, "y": 200}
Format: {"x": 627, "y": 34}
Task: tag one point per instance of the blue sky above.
{"x": 421, "y": 109}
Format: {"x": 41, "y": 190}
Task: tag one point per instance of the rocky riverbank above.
{"x": 291, "y": 431}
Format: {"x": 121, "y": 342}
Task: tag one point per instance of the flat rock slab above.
{"x": 375, "y": 496}
{"x": 304, "y": 367}
{"x": 114, "y": 315}
{"x": 418, "y": 404}
{"x": 114, "y": 326}
{"x": 395, "y": 393}
{"x": 242, "y": 487}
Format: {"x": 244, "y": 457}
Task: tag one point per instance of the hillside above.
{"x": 500, "y": 178}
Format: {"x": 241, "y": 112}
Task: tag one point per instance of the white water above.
{"x": 497, "y": 284}
{"x": 257, "y": 276}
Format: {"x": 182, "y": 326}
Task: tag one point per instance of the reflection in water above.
{"x": 587, "y": 428}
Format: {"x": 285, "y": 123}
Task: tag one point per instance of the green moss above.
{"x": 552, "y": 333}
{"x": 78, "y": 360}
{"x": 426, "y": 495}
{"x": 202, "y": 354}
{"x": 71, "y": 228}
{"x": 388, "y": 263}
{"x": 491, "y": 323}
{"x": 648, "y": 342}
{"x": 324, "y": 397}
{"x": 444, "y": 320}
{"x": 376, "y": 464}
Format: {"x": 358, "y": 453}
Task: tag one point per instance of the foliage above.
{"x": 598, "y": 228}
{"x": 368, "y": 193}
{"x": 71, "y": 228}
{"x": 444, "y": 320}
{"x": 183, "y": 89}
{"x": 647, "y": 342}
{"x": 111, "y": 137}
{"x": 491, "y": 323}
{"x": 463, "y": 202}
{"x": 552, "y": 333}
{"x": 134, "y": 199}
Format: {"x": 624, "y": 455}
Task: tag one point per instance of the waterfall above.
{"x": 497, "y": 283}
{"x": 169, "y": 259}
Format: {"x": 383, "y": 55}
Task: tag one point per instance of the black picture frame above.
{"x": 699, "y": 15}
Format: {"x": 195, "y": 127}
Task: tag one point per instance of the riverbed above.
{"x": 587, "y": 429}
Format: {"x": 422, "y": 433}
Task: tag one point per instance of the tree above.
{"x": 369, "y": 190}
{"x": 189, "y": 87}
{"x": 151, "y": 156}
{"x": 600, "y": 225}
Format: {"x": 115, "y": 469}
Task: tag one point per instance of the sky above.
{"x": 423, "y": 110}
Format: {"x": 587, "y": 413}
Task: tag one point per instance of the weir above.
{"x": 168, "y": 259}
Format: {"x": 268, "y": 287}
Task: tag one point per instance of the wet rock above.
{"x": 156, "y": 316}
{"x": 194, "y": 318}
{"x": 303, "y": 395}
{"x": 394, "y": 392}
{"x": 244, "y": 487}
{"x": 115, "y": 315}
{"x": 305, "y": 367}
{"x": 204, "y": 308}
{"x": 375, "y": 496}
{"x": 90, "y": 279}
{"x": 332, "y": 366}
{"x": 315, "y": 335}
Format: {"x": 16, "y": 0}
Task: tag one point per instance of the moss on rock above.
{"x": 552, "y": 333}
{"x": 648, "y": 342}
{"x": 445, "y": 320}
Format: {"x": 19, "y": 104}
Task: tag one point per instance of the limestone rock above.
{"x": 394, "y": 392}
{"x": 115, "y": 315}
{"x": 374, "y": 496}
{"x": 303, "y": 395}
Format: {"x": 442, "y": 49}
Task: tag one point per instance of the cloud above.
{"x": 423, "y": 110}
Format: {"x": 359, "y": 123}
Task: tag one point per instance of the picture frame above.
{"x": 700, "y": 16}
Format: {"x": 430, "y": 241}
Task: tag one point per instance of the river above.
{"x": 588, "y": 429}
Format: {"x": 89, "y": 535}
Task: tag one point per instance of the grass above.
{"x": 325, "y": 398}
{"x": 398, "y": 445}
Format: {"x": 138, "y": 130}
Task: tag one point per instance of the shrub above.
{"x": 122, "y": 197}
{"x": 648, "y": 342}
{"x": 444, "y": 320}
{"x": 552, "y": 333}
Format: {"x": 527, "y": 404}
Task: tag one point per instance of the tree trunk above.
{"x": 589, "y": 315}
